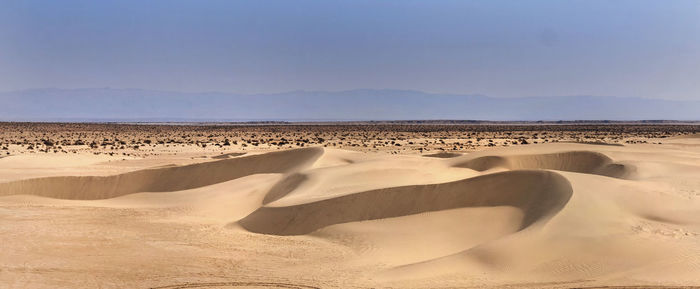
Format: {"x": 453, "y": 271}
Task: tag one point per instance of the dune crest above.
{"x": 573, "y": 161}
{"x": 164, "y": 179}
{"x": 539, "y": 194}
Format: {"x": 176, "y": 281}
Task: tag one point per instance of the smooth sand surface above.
{"x": 534, "y": 216}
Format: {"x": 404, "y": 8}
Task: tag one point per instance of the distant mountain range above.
{"x": 104, "y": 104}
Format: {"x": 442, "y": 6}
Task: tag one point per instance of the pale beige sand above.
{"x": 536, "y": 216}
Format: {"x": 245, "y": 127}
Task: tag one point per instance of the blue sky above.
{"x": 496, "y": 48}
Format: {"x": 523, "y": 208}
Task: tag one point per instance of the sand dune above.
{"x": 539, "y": 194}
{"x": 573, "y": 161}
{"x": 165, "y": 179}
{"x": 559, "y": 216}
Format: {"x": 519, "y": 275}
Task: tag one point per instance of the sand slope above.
{"x": 166, "y": 179}
{"x": 557, "y": 215}
{"x": 539, "y": 194}
{"x": 573, "y": 161}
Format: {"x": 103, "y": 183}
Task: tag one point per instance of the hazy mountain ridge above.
{"x": 361, "y": 104}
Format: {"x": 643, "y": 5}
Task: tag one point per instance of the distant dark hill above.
{"x": 145, "y": 105}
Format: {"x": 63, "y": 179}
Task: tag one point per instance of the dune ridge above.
{"x": 573, "y": 161}
{"x": 164, "y": 179}
{"x": 539, "y": 194}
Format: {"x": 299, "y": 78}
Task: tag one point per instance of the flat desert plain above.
{"x": 349, "y": 206}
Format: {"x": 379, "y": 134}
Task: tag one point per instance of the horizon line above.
{"x": 342, "y": 121}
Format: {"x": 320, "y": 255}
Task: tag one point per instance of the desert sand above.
{"x": 554, "y": 214}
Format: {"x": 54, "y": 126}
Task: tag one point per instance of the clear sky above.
{"x": 496, "y": 48}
